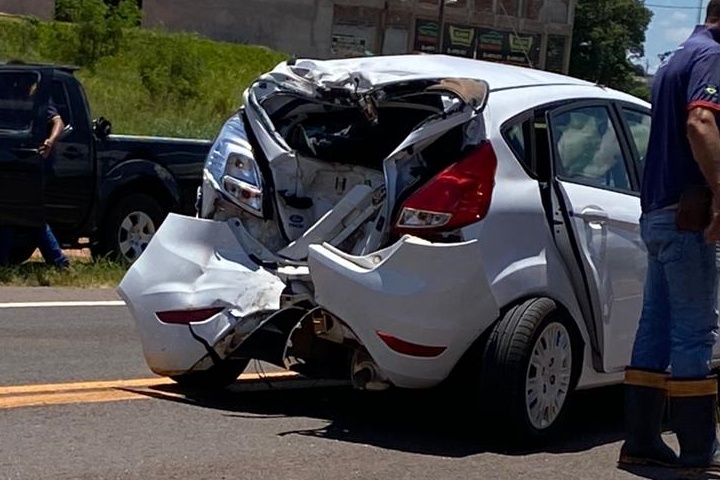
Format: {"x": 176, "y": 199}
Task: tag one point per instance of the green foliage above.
{"x": 172, "y": 70}
{"x": 99, "y": 29}
{"x": 175, "y": 85}
{"x": 605, "y": 33}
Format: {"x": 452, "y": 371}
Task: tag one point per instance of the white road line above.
{"x": 105, "y": 303}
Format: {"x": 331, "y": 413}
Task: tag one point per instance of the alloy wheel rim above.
{"x": 134, "y": 235}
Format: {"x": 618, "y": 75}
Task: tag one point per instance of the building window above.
{"x": 546, "y": 11}
{"x": 555, "y": 57}
{"x": 484, "y": 6}
{"x": 507, "y": 7}
{"x": 354, "y": 30}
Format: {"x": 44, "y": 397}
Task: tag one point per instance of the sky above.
{"x": 672, "y": 22}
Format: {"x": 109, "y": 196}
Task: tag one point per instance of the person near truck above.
{"x": 680, "y": 225}
{"x": 42, "y": 236}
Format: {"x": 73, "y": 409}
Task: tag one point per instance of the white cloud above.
{"x": 677, "y": 34}
{"x": 674, "y": 19}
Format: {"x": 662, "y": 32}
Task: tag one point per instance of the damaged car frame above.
{"x": 394, "y": 220}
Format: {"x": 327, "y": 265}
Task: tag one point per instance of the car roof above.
{"x": 384, "y": 69}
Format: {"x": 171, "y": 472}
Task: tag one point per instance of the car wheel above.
{"x": 216, "y": 377}
{"x": 129, "y": 228}
{"x": 528, "y": 370}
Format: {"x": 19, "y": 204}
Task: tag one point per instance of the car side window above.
{"x": 17, "y": 90}
{"x": 588, "y": 148}
{"x": 517, "y": 137}
{"x": 62, "y": 103}
{"x": 639, "y": 124}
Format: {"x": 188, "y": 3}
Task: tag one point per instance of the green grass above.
{"x": 192, "y": 84}
{"x": 85, "y": 273}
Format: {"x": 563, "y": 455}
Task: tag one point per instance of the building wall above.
{"x": 335, "y": 28}
{"x": 42, "y": 9}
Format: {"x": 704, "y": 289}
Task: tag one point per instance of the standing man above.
{"x": 680, "y": 224}
{"x": 43, "y": 236}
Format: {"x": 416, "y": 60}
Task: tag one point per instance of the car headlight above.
{"x": 232, "y": 166}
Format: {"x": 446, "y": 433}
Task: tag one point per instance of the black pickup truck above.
{"x": 114, "y": 190}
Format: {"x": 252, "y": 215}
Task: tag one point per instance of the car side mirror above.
{"x": 66, "y": 131}
{"x": 102, "y": 128}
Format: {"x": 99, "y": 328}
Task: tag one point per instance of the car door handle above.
{"x": 25, "y": 151}
{"x": 594, "y": 215}
{"x": 71, "y": 153}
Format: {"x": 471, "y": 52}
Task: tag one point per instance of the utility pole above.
{"x": 441, "y": 27}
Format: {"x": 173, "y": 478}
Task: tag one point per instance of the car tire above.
{"x": 128, "y": 228}
{"x": 528, "y": 371}
{"x": 217, "y": 377}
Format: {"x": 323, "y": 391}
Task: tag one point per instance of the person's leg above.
{"x": 50, "y": 248}
{"x": 692, "y": 278}
{"x": 7, "y": 235}
{"x": 646, "y": 377}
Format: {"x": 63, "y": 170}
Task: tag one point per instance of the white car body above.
{"x": 413, "y": 306}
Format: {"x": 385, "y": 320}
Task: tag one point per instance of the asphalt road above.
{"x": 58, "y": 420}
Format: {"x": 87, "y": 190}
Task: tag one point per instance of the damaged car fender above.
{"x": 194, "y": 276}
{"x": 416, "y": 306}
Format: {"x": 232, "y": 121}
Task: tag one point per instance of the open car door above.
{"x": 24, "y": 96}
{"x": 597, "y": 204}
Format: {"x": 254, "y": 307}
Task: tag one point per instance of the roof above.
{"x": 378, "y": 70}
{"x": 64, "y": 68}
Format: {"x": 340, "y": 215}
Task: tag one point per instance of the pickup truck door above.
{"x": 24, "y": 94}
{"x": 69, "y": 189}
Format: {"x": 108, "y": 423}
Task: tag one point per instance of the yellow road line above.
{"x": 108, "y": 384}
{"x": 100, "y": 391}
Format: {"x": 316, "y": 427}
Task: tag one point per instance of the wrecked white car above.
{"x": 381, "y": 219}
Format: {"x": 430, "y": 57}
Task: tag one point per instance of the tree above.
{"x": 606, "y": 34}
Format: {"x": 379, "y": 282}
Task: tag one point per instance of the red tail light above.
{"x": 185, "y": 317}
{"x": 458, "y": 196}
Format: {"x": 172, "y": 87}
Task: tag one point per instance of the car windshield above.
{"x": 17, "y": 92}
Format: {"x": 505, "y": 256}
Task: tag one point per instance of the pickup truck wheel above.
{"x": 216, "y": 377}
{"x": 527, "y": 372}
{"x": 129, "y": 228}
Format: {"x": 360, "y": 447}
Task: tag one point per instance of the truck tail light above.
{"x": 456, "y": 197}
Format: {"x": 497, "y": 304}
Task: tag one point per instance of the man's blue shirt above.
{"x": 689, "y": 79}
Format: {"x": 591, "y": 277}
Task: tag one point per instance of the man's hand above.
{"x": 45, "y": 148}
{"x": 712, "y": 232}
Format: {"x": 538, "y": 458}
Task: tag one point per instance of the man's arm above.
{"x": 703, "y": 103}
{"x": 704, "y": 136}
{"x": 56, "y": 127}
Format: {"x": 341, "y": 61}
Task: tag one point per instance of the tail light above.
{"x": 185, "y": 317}
{"x": 456, "y": 197}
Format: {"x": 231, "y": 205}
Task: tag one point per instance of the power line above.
{"x": 672, "y": 6}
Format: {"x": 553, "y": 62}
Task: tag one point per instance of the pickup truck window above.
{"x": 16, "y": 100}
{"x": 60, "y": 98}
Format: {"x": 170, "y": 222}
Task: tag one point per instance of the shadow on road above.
{"x": 425, "y": 422}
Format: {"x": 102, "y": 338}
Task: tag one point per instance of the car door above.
{"x": 597, "y": 186}
{"x": 70, "y": 184}
{"x": 24, "y": 94}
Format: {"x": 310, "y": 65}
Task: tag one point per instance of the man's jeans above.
{"x": 679, "y": 321}
{"x": 42, "y": 237}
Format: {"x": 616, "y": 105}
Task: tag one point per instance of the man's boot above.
{"x": 645, "y": 407}
{"x": 694, "y": 419}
